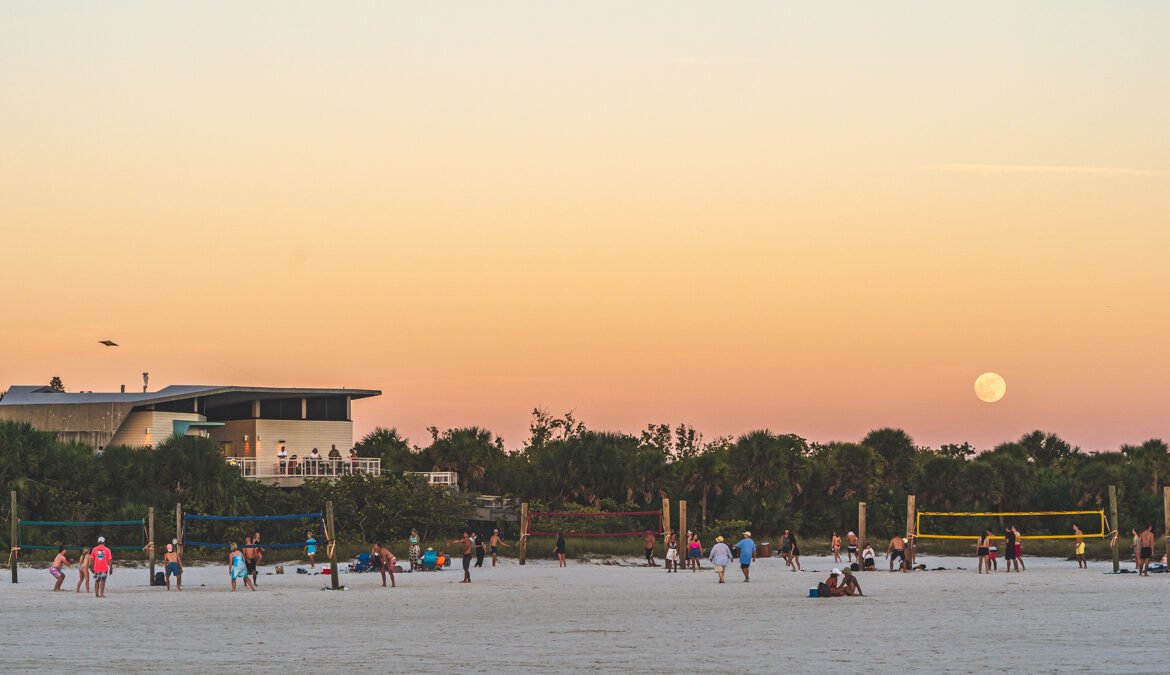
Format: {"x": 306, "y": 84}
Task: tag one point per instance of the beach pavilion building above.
{"x": 251, "y": 425}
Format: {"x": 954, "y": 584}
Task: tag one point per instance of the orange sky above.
{"x": 813, "y": 219}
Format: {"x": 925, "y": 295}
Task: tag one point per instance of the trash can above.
{"x": 765, "y": 549}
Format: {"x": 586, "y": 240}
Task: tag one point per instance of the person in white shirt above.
{"x": 867, "y": 558}
{"x": 314, "y": 461}
{"x": 282, "y": 457}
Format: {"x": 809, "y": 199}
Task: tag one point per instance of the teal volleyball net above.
{"x": 48, "y": 535}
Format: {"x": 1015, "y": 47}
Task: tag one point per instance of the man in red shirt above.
{"x": 102, "y": 561}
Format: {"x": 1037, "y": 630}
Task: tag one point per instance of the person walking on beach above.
{"x": 258, "y": 555}
{"x": 496, "y": 543}
{"x": 1146, "y": 540}
{"x": 896, "y": 551}
{"x": 746, "y": 548}
{"x": 1137, "y": 547}
{"x": 311, "y": 549}
{"x": 1079, "y": 549}
{"x": 672, "y": 554}
{"x": 560, "y": 549}
{"x": 648, "y": 545}
{"x": 835, "y": 543}
{"x": 694, "y": 552}
{"x": 851, "y": 544}
{"x": 83, "y": 570}
{"x": 786, "y": 548}
{"x": 237, "y": 569}
{"x": 1009, "y": 549}
{"x": 103, "y": 567}
{"x": 386, "y": 562}
{"x": 249, "y": 557}
{"x": 174, "y": 565}
{"x": 481, "y": 547}
{"x": 720, "y": 557}
{"x": 982, "y": 549}
{"x": 61, "y": 560}
{"x": 467, "y": 544}
{"x": 794, "y": 559}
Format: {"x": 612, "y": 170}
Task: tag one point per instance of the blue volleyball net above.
{"x": 281, "y": 531}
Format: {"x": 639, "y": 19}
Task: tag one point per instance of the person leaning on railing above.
{"x": 353, "y": 460}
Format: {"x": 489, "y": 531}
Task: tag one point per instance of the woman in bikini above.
{"x": 83, "y": 570}
{"x": 983, "y": 549}
{"x": 58, "y": 562}
{"x": 694, "y": 552}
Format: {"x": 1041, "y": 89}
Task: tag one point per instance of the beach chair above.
{"x": 362, "y": 564}
{"x": 430, "y": 561}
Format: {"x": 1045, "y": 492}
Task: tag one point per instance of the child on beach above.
{"x": 174, "y": 566}
{"x": 58, "y": 562}
{"x": 83, "y": 570}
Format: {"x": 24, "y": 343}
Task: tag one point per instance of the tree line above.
{"x": 766, "y": 480}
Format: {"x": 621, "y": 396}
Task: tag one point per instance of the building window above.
{"x": 280, "y": 409}
{"x": 327, "y": 408}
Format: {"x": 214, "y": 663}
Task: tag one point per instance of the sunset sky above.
{"x": 819, "y": 218}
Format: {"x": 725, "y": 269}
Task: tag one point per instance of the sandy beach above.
{"x": 595, "y": 617}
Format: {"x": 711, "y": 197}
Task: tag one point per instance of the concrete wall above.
{"x": 83, "y": 417}
{"x": 150, "y": 427}
{"x": 233, "y": 432}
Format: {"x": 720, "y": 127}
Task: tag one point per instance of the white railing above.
{"x": 250, "y": 467}
{"x": 437, "y": 477}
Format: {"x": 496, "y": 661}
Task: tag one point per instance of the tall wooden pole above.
{"x": 331, "y": 542}
{"x": 911, "y": 534}
{"x": 861, "y": 529}
{"x": 1116, "y": 528}
{"x": 14, "y": 554}
{"x": 524, "y": 527}
{"x": 682, "y": 526}
{"x": 150, "y": 541}
{"x": 179, "y": 529}
{"x": 1166, "y": 518}
{"x": 665, "y": 523}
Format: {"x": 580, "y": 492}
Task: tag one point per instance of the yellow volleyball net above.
{"x": 1031, "y": 524}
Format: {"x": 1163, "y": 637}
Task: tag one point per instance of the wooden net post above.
{"x": 861, "y": 531}
{"x": 911, "y": 534}
{"x": 665, "y": 523}
{"x": 682, "y": 527}
{"x": 331, "y": 542}
{"x": 523, "y": 533}
{"x": 1116, "y": 528}
{"x": 179, "y": 529}
{"x": 14, "y": 553}
{"x": 1166, "y": 519}
{"x": 150, "y": 541}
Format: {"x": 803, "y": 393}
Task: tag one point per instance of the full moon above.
{"x": 990, "y": 387}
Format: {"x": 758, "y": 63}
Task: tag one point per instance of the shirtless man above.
{"x": 495, "y": 543}
{"x": 849, "y": 585}
{"x": 174, "y": 565}
{"x": 836, "y": 544}
{"x": 386, "y": 562}
{"x": 851, "y": 542}
{"x": 1145, "y": 550}
{"x": 250, "y": 557}
{"x": 466, "y": 542}
{"x": 896, "y": 551}
{"x": 259, "y": 555}
{"x": 59, "y": 574}
{"x": 1079, "y": 548}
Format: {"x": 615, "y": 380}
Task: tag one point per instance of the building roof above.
{"x": 40, "y": 395}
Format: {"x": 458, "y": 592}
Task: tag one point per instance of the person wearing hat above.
{"x": 174, "y": 567}
{"x": 746, "y": 548}
{"x": 103, "y": 567}
{"x": 720, "y": 556}
{"x": 849, "y": 584}
{"x": 828, "y": 587}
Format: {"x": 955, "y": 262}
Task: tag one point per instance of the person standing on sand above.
{"x": 648, "y": 549}
{"x": 1009, "y": 549}
{"x": 249, "y": 557}
{"x": 467, "y": 543}
{"x": 1146, "y": 540}
{"x": 746, "y": 548}
{"x": 992, "y": 552}
{"x": 415, "y": 550}
{"x": 795, "y": 562}
{"x": 259, "y": 556}
{"x": 83, "y": 570}
{"x": 480, "y": 549}
{"x": 1079, "y": 549}
{"x": 1137, "y": 547}
{"x": 672, "y": 554}
{"x": 386, "y": 562}
{"x": 103, "y": 567}
{"x": 311, "y": 549}
{"x": 896, "y": 551}
{"x": 835, "y": 543}
{"x": 1019, "y": 549}
{"x": 55, "y": 569}
{"x": 786, "y": 549}
{"x": 496, "y": 542}
{"x": 237, "y": 569}
{"x": 174, "y": 565}
{"x": 561, "y": 550}
{"x": 851, "y": 542}
{"x": 694, "y": 552}
{"x": 983, "y": 549}
{"x": 720, "y": 557}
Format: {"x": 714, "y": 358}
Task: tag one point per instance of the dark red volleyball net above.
{"x": 594, "y": 523}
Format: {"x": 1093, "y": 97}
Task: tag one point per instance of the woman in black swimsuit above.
{"x": 559, "y": 549}
{"x": 982, "y": 549}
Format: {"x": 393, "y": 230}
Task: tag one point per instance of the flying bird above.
{"x": 108, "y": 343}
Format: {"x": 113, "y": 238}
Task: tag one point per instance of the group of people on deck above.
{"x": 314, "y": 464}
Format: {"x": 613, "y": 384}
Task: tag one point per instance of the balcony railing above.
{"x": 250, "y": 467}
{"x": 449, "y": 478}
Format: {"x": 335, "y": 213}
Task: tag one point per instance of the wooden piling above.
{"x": 1115, "y": 538}
{"x": 682, "y": 525}
{"x": 523, "y": 533}
{"x": 860, "y": 530}
{"x": 911, "y": 534}
{"x": 665, "y": 534}
{"x": 179, "y": 529}
{"x": 14, "y": 554}
{"x": 331, "y": 542}
{"x": 1166, "y": 518}
{"x": 150, "y": 541}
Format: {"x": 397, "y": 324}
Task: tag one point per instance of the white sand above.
{"x": 592, "y": 617}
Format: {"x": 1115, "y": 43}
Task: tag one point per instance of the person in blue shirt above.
{"x": 311, "y": 549}
{"x": 746, "y": 548}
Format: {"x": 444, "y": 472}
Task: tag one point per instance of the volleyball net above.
{"x": 49, "y": 535}
{"x": 286, "y": 531}
{"x": 594, "y": 523}
{"x": 1031, "y": 524}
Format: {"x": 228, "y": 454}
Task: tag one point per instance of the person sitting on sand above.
{"x": 849, "y": 584}
{"x": 869, "y": 559}
{"x": 174, "y": 566}
{"x": 720, "y": 557}
{"x": 828, "y": 588}
{"x": 58, "y": 562}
